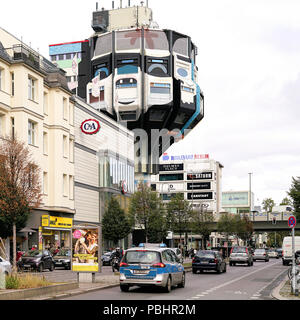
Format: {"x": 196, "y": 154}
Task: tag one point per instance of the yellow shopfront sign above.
{"x": 57, "y": 222}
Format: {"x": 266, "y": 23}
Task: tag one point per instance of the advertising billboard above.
{"x": 199, "y": 186}
{"x": 200, "y": 176}
{"x": 85, "y": 249}
{"x": 235, "y": 198}
{"x": 200, "y": 195}
{"x": 171, "y": 167}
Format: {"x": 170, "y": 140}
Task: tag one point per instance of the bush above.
{"x": 12, "y": 282}
{"x": 25, "y": 281}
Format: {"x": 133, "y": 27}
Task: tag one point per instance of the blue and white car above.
{"x": 151, "y": 265}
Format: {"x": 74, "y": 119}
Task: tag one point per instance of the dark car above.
{"x": 208, "y": 260}
{"x": 241, "y": 255}
{"x": 36, "y": 260}
{"x": 63, "y": 259}
{"x": 279, "y": 250}
{"x": 106, "y": 259}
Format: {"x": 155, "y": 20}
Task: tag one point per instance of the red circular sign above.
{"x": 292, "y": 221}
{"x": 77, "y": 234}
{"x": 90, "y": 126}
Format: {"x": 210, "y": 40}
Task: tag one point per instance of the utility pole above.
{"x": 250, "y": 195}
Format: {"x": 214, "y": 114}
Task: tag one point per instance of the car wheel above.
{"x": 52, "y": 267}
{"x": 41, "y": 268}
{"x": 249, "y": 264}
{"x": 168, "y": 286}
{"x": 182, "y": 283}
{"x": 194, "y": 270}
{"x": 201, "y": 271}
{"x": 124, "y": 287}
{"x": 254, "y": 260}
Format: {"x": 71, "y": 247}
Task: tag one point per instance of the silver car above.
{"x": 241, "y": 255}
{"x": 5, "y": 266}
{"x": 273, "y": 253}
{"x": 260, "y": 254}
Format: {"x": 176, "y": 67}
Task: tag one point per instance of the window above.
{"x": 171, "y": 177}
{"x": 71, "y": 187}
{"x": 71, "y": 113}
{"x": 65, "y": 146}
{"x": 45, "y": 143}
{"x": 103, "y": 45}
{"x": 71, "y": 150}
{"x": 156, "y": 40}
{"x": 61, "y": 57}
{"x": 68, "y": 56}
{"x": 1, "y": 124}
{"x": 45, "y": 103}
{"x": 31, "y": 132}
{"x": 1, "y": 79}
{"x": 12, "y": 76}
{"x": 12, "y": 122}
{"x": 53, "y": 58}
{"x": 65, "y": 185}
{"x": 45, "y": 182}
{"x": 181, "y": 46}
{"x": 65, "y": 108}
{"x": 127, "y": 40}
{"x": 158, "y": 67}
{"x": 31, "y": 88}
{"x": 127, "y": 66}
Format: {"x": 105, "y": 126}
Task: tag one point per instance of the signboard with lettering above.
{"x": 171, "y": 167}
{"x": 166, "y": 157}
{"x": 199, "y": 186}
{"x": 200, "y": 176}
{"x": 200, "y": 195}
{"x": 90, "y": 126}
{"x": 167, "y": 187}
{"x": 56, "y": 222}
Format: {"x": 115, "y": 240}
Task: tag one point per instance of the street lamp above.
{"x": 250, "y": 196}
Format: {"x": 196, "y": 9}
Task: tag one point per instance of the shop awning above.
{"x": 26, "y": 230}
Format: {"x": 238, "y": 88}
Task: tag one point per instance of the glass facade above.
{"x": 114, "y": 171}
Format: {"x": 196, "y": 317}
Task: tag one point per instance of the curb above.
{"x": 276, "y": 292}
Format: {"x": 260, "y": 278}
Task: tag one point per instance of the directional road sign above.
{"x": 292, "y": 222}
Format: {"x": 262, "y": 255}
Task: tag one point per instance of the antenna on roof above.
{"x": 96, "y": 6}
{"x": 113, "y": 5}
{"x": 120, "y": 3}
{"x": 147, "y": 3}
{"x": 128, "y": 3}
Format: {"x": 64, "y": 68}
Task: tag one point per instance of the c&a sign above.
{"x": 90, "y": 126}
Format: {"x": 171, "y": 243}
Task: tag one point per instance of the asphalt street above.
{"x": 240, "y": 282}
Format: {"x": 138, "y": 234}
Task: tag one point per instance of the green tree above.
{"x": 286, "y": 202}
{"x": 147, "y": 212}
{"x": 226, "y": 226}
{"x": 115, "y": 223}
{"x": 20, "y": 189}
{"x": 268, "y": 204}
{"x": 294, "y": 193}
{"x": 202, "y": 224}
{"x": 179, "y": 215}
{"x": 244, "y": 228}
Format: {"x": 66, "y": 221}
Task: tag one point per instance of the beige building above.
{"x": 36, "y": 106}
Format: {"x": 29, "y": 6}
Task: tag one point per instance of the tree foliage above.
{"x": 294, "y": 193}
{"x": 20, "y": 188}
{"x": 179, "y": 215}
{"x": 115, "y": 223}
{"x": 268, "y": 204}
{"x": 147, "y": 212}
{"x": 202, "y": 224}
{"x": 286, "y": 202}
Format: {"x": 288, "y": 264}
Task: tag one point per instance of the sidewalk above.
{"x": 283, "y": 291}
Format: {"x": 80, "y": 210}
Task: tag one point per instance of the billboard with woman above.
{"x": 85, "y": 249}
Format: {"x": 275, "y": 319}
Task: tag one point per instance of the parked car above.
{"x": 63, "y": 259}
{"x": 5, "y": 266}
{"x": 273, "y": 253}
{"x": 151, "y": 265}
{"x": 260, "y": 254}
{"x": 241, "y": 255}
{"x": 36, "y": 260}
{"x": 208, "y": 260}
{"x": 178, "y": 253}
{"x": 106, "y": 259}
{"x": 279, "y": 250}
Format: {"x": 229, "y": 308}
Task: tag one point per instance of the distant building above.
{"x": 237, "y": 202}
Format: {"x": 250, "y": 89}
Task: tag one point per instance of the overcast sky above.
{"x": 249, "y": 71}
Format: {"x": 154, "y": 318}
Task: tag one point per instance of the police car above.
{"x": 151, "y": 265}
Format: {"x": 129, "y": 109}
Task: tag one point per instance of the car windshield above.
{"x": 142, "y": 257}
{"x": 238, "y": 250}
{"x": 206, "y": 254}
{"x": 64, "y": 252}
{"x": 107, "y": 254}
{"x": 33, "y": 253}
{"x": 260, "y": 251}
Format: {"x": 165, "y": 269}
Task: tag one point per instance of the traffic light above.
{"x": 274, "y": 220}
